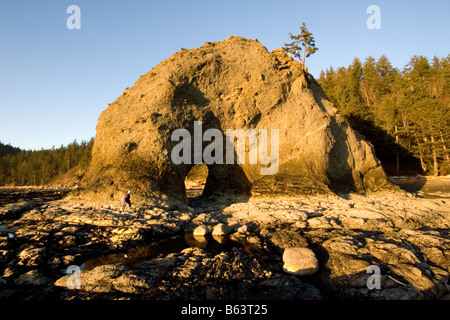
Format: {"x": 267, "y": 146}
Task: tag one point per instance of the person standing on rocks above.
{"x": 126, "y": 200}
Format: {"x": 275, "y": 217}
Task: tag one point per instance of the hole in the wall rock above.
{"x": 195, "y": 180}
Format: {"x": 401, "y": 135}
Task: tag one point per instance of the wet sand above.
{"x": 427, "y": 188}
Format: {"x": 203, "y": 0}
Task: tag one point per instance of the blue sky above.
{"x": 55, "y": 82}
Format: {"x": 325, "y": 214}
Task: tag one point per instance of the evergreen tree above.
{"x": 8, "y": 149}
{"x": 400, "y": 112}
{"x": 40, "y": 167}
{"x": 371, "y": 87}
{"x": 302, "y": 45}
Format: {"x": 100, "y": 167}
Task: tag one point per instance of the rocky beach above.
{"x": 154, "y": 250}
{"x": 318, "y": 219}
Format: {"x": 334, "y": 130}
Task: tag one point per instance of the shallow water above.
{"x": 5, "y": 226}
{"x": 164, "y": 247}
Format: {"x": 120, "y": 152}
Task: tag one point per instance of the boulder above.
{"x": 235, "y": 84}
{"x": 220, "y": 230}
{"x": 201, "y": 231}
{"x": 300, "y": 261}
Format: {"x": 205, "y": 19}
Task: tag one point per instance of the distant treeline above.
{"x": 8, "y": 149}
{"x": 404, "y": 113}
{"x": 19, "y": 167}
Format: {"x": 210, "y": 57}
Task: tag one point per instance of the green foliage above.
{"x": 399, "y": 111}
{"x": 40, "y": 167}
{"x": 8, "y": 149}
{"x": 301, "y": 42}
{"x": 198, "y": 172}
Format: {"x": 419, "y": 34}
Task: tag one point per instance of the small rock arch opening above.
{"x": 195, "y": 180}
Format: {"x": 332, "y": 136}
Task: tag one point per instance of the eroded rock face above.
{"x": 233, "y": 84}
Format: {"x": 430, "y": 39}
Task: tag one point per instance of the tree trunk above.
{"x": 435, "y": 162}
{"x": 422, "y": 163}
{"x": 43, "y": 175}
{"x": 404, "y": 120}
{"x": 397, "y": 163}
{"x": 304, "y": 56}
{"x": 447, "y": 156}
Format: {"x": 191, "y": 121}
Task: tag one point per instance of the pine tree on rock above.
{"x": 302, "y": 45}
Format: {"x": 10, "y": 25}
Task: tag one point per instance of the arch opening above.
{"x": 195, "y": 180}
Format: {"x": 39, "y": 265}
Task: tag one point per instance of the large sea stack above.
{"x": 232, "y": 84}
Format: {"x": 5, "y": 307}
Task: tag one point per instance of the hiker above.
{"x": 126, "y": 200}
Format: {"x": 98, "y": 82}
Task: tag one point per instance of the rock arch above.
{"x": 232, "y": 84}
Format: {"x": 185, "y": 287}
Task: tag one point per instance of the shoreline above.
{"x": 195, "y": 183}
{"x": 405, "y": 235}
{"x": 417, "y": 178}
